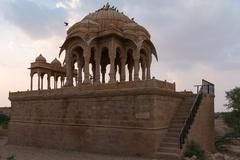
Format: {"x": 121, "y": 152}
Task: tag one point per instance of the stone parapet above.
{"x": 134, "y": 87}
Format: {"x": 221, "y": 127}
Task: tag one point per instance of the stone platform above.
{"x": 129, "y": 118}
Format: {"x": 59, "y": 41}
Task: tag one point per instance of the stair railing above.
{"x": 205, "y": 88}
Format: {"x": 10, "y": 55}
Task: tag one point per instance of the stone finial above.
{"x": 40, "y": 58}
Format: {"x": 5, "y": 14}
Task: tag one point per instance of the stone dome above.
{"x": 108, "y": 19}
{"x": 56, "y": 62}
{"x": 41, "y": 59}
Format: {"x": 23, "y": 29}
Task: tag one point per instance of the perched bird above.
{"x": 66, "y": 23}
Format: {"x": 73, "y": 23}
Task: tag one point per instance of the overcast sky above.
{"x": 195, "y": 39}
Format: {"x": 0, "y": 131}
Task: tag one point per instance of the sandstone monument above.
{"x": 107, "y": 101}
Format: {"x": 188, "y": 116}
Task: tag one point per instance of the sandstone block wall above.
{"x": 202, "y": 130}
{"x": 126, "y": 122}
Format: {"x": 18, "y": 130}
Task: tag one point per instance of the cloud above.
{"x": 195, "y": 39}
{"x": 188, "y": 33}
{"x": 37, "y": 21}
{"x": 68, "y": 4}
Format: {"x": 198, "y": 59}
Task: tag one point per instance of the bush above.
{"x": 221, "y": 141}
{"x": 12, "y": 157}
{"x": 232, "y": 119}
{"x": 4, "y": 119}
{"x": 194, "y": 149}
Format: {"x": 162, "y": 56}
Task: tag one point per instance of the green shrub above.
{"x": 12, "y": 157}
{"x": 232, "y": 119}
{"x": 194, "y": 149}
{"x": 221, "y": 141}
{"x": 4, "y": 119}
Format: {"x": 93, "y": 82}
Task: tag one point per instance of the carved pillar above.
{"x": 39, "y": 75}
{"x": 122, "y": 69}
{"x": 93, "y": 77}
{"x": 143, "y": 66}
{"x": 48, "y": 81}
{"x": 31, "y": 82}
{"x": 136, "y": 58}
{"x": 55, "y": 82}
{"x": 42, "y": 82}
{"x": 86, "y": 65}
{"x": 62, "y": 81}
{"x": 149, "y": 66}
{"x": 103, "y": 70}
{"x": 97, "y": 70}
{"x": 130, "y": 70}
{"x": 79, "y": 76}
{"x": 112, "y": 55}
{"x": 69, "y": 69}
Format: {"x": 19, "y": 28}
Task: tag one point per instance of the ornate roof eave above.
{"x": 153, "y": 49}
{"x": 132, "y": 37}
{"x": 67, "y": 41}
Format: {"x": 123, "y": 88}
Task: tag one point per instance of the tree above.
{"x": 233, "y": 118}
{"x": 233, "y": 98}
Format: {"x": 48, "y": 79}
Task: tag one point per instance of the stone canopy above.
{"x": 105, "y": 46}
{"x": 104, "y": 37}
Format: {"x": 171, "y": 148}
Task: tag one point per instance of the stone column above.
{"x": 136, "y": 69}
{"x": 143, "y": 65}
{"x": 55, "y": 82}
{"x": 103, "y": 70}
{"x": 93, "y": 77}
{"x": 39, "y": 75}
{"x": 48, "y": 81}
{"x": 130, "y": 69}
{"x": 62, "y": 80}
{"x": 69, "y": 69}
{"x": 31, "y": 82}
{"x": 97, "y": 70}
{"x": 42, "y": 82}
{"x": 122, "y": 70}
{"x": 87, "y": 54}
{"x": 112, "y": 55}
{"x": 79, "y": 76}
{"x": 136, "y": 58}
{"x": 149, "y": 67}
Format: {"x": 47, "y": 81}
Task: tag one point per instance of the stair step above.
{"x": 171, "y": 140}
{"x": 172, "y": 134}
{"x": 167, "y": 156}
{"x": 169, "y": 149}
{"x": 181, "y": 114}
{"x": 169, "y": 144}
{"x": 176, "y": 125}
{"x": 178, "y": 120}
{"x": 176, "y": 130}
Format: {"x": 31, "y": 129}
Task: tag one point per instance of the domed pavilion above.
{"x": 107, "y": 37}
{"x": 107, "y": 102}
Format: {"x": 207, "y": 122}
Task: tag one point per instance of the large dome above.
{"x": 105, "y": 20}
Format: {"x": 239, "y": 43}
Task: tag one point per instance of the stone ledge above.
{"x": 147, "y": 87}
{"x": 89, "y": 125}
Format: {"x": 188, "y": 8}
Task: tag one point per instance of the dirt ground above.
{"x": 32, "y": 153}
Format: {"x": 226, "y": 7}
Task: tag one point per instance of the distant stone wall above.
{"x": 202, "y": 130}
{"x": 128, "y": 121}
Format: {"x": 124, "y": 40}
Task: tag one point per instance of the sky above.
{"x": 195, "y": 39}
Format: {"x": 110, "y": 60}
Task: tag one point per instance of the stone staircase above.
{"x": 169, "y": 147}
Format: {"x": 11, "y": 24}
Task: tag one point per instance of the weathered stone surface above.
{"x": 132, "y": 123}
